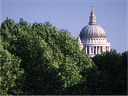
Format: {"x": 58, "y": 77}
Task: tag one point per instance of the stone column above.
{"x": 103, "y": 49}
{"x": 108, "y": 48}
{"x": 89, "y": 49}
{"x": 99, "y": 50}
{"x": 96, "y": 49}
{"x": 93, "y": 49}
{"x": 86, "y": 49}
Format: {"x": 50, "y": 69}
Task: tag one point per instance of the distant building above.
{"x": 93, "y": 38}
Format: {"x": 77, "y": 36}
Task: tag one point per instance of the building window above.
{"x": 106, "y": 49}
{"x": 87, "y": 50}
{"x": 101, "y": 49}
{"x": 94, "y": 50}
{"x": 97, "y": 49}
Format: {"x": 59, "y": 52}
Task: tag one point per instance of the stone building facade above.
{"x": 93, "y": 37}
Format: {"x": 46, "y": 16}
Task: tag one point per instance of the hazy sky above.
{"x": 73, "y": 15}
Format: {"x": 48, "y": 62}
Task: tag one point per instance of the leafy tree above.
{"x": 10, "y": 73}
{"x": 113, "y": 66}
{"x": 53, "y": 63}
{"x": 50, "y": 58}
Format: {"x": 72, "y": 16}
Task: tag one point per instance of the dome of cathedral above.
{"x": 93, "y": 38}
{"x": 92, "y": 31}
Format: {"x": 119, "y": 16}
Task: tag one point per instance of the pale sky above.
{"x": 73, "y": 15}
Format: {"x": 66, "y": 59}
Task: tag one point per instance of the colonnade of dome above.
{"x": 95, "y": 49}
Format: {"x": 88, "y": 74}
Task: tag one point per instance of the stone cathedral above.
{"x": 93, "y": 38}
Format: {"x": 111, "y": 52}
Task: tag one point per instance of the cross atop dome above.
{"x": 92, "y": 20}
{"x": 92, "y": 8}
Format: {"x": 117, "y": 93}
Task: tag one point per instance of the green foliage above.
{"x": 113, "y": 67}
{"x": 38, "y": 59}
{"x": 50, "y": 58}
{"x": 10, "y": 73}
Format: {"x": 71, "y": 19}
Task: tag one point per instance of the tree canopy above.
{"x": 113, "y": 67}
{"x": 39, "y": 59}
